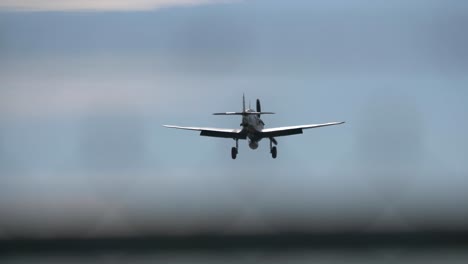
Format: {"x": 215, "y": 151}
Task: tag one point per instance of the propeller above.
{"x": 259, "y": 108}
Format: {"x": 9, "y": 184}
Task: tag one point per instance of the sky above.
{"x": 85, "y": 87}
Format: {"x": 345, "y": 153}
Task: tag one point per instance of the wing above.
{"x": 215, "y": 132}
{"x": 292, "y": 130}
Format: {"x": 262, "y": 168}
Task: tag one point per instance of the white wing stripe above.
{"x": 277, "y": 129}
{"x": 205, "y": 128}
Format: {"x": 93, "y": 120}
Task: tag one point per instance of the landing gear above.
{"x": 234, "y": 150}
{"x": 273, "y": 150}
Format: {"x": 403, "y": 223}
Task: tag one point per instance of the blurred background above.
{"x": 86, "y": 86}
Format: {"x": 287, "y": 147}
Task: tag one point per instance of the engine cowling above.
{"x": 253, "y": 144}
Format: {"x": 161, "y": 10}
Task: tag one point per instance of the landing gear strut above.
{"x": 234, "y": 150}
{"x": 273, "y": 150}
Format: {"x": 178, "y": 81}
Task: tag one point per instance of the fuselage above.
{"x": 252, "y": 126}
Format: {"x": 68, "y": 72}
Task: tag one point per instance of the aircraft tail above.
{"x": 244, "y": 110}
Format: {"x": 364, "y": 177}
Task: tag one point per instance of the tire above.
{"x": 274, "y": 152}
{"x": 233, "y": 152}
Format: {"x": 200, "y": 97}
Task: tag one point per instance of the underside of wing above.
{"x": 292, "y": 130}
{"x": 215, "y": 132}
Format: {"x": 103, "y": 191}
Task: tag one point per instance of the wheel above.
{"x": 274, "y": 152}
{"x": 234, "y": 152}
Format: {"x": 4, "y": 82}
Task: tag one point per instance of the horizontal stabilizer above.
{"x": 229, "y": 113}
{"x": 244, "y": 113}
{"x": 260, "y": 113}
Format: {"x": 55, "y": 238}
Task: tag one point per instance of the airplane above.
{"x": 252, "y": 129}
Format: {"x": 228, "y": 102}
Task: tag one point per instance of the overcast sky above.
{"x": 86, "y": 85}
